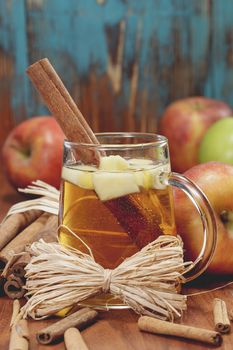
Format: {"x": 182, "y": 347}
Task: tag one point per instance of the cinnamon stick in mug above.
{"x": 79, "y": 319}
{"x": 221, "y": 319}
{"x": 62, "y": 106}
{"x": 76, "y": 129}
{"x": 153, "y": 325}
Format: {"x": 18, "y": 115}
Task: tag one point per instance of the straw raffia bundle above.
{"x": 58, "y": 277}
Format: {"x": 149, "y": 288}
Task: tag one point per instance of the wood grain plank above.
{"x": 126, "y": 60}
{"x": 122, "y": 61}
{"x": 118, "y": 329}
{"x": 219, "y": 81}
{"x": 13, "y": 43}
{"x": 6, "y": 115}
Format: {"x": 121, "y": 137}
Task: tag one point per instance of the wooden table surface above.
{"x": 118, "y": 329}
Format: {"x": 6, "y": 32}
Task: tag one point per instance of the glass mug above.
{"x": 123, "y": 200}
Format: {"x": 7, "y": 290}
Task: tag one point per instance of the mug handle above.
{"x": 203, "y": 206}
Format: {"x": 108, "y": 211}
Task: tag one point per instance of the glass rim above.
{"x": 155, "y": 140}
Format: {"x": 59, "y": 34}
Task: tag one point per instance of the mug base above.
{"x": 104, "y": 302}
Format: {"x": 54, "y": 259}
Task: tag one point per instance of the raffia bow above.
{"x": 58, "y": 277}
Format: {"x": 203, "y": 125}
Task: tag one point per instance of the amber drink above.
{"x": 120, "y": 200}
{"x": 117, "y": 227}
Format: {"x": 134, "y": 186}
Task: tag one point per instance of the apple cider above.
{"x": 114, "y": 212}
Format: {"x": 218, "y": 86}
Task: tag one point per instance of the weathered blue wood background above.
{"x": 122, "y": 60}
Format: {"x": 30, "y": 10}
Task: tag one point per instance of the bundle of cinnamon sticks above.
{"x": 16, "y": 232}
{"x": 68, "y": 327}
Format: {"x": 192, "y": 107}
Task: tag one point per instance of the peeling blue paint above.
{"x": 13, "y": 39}
{"x": 191, "y": 40}
{"x": 220, "y": 77}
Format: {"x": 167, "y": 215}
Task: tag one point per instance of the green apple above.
{"x": 185, "y": 122}
{"x": 217, "y": 143}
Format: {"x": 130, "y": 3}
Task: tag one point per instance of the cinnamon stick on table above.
{"x": 15, "y": 281}
{"x": 231, "y": 315}
{"x": 29, "y": 235}
{"x": 15, "y": 223}
{"x": 153, "y": 325}
{"x": 15, "y": 311}
{"x": 48, "y": 233}
{"x": 13, "y": 287}
{"x": 79, "y": 319}
{"x": 221, "y": 320}
{"x": 74, "y": 340}
{"x": 19, "y": 337}
{"x": 18, "y": 268}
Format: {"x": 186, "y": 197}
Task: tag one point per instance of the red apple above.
{"x": 184, "y": 123}
{"x": 33, "y": 150}
{"x": 216, "y": 181}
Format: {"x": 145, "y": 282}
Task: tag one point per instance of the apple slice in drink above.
{"x": 113, "y": 163}
{"x": 80, "y": 175}
{"x": 114, "y": 185}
